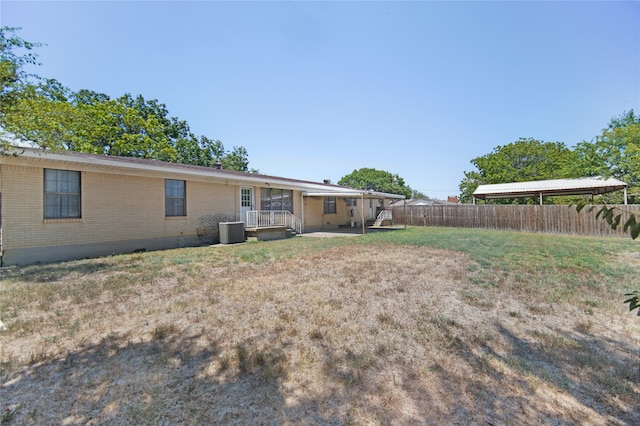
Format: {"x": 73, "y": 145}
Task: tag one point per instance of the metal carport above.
{"x": 580, "y": 186}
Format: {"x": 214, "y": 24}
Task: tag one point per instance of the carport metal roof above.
{"x": 581, "y": 186}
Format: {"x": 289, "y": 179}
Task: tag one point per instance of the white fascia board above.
{"x": 332, "y": 194}
{"x": 120, "y": 164}
{"x": 354, "y": 193}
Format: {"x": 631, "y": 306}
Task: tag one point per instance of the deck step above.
{"x": 269, "y": 233}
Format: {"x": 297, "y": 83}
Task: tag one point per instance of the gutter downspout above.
{"x": 405, "y": 213}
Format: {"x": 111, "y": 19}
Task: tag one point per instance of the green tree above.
{"x": 613, "y": 153}
{"x": 588, "y": 162}
{"x": 88, "y": 97}
{"x": 113, "y": 128}
{"x": 520, "y": 161}
{"x": 376, "y": 180}
{"x": 415, "y": 194}
{"x": 44, "y": 121}
{"x": 15, "y": 53}
{"x": 618, "y": 147}
{"x": 46, "y": 117}
{"x": 15, "y": 82}
{"x": 472, "y": 180}
{"x": 201, "y": 151}
{"x": 237, "y": 159}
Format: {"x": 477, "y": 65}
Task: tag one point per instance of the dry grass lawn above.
{"x": 305, "y": 331}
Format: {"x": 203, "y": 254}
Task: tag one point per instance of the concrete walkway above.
{"x": 327, "y": 234}
{"x": 350, "y": 232}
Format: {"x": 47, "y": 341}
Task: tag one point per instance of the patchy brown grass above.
{"x": 341, "y": 333}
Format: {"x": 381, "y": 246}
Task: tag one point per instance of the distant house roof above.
{"x": 580, "y": 186}
{"x": 423, "y": 202}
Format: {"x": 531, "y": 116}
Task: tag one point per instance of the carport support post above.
{"x": 362, "y": 211}
{"x": 302, "y": 205}
{"x": 405, "y": 213}
{"x": 540, "y": 198}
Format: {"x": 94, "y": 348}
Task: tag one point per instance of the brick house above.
{"x": 65, "y": 205}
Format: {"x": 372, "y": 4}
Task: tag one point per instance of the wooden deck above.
{"x": 268, "y": 233}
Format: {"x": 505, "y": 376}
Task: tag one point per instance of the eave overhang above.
{"x": 143, "y": 167}
{"x": 354, "y": 194}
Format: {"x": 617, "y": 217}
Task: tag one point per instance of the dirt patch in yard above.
{"x": 363, "y": 334}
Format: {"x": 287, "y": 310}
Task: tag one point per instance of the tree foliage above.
{"x": 15, "y": 53}
{"x": 51, "y": 116}
{"x": 415, "y": 194}
{"x": 618, "y": 149}
{"x": 520, "y": 161}
{"x": 613, "y": 153}
{"x": 376, "y": 180}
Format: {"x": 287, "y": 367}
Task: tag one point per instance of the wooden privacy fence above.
{"x": 557, "y": 219}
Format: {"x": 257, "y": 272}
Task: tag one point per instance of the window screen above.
{"x": 61, "y": 194}
{"x": 175, "y": 198}
{"x": 329, "y": 205}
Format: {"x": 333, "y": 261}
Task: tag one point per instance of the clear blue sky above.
{"x": 314, "y": 90}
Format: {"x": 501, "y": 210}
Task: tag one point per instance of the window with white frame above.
{"x": 175, "y": 197}
{"x": 61, "y": 194}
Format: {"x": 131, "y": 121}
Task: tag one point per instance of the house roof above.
{"x": 140, "y": 165}
{"x": 425, "y": 202}
{"x": 580, "y": 186}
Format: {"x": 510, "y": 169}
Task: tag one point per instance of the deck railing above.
{"x": 267, "y": 218}
{"x": 385, "y": 214}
